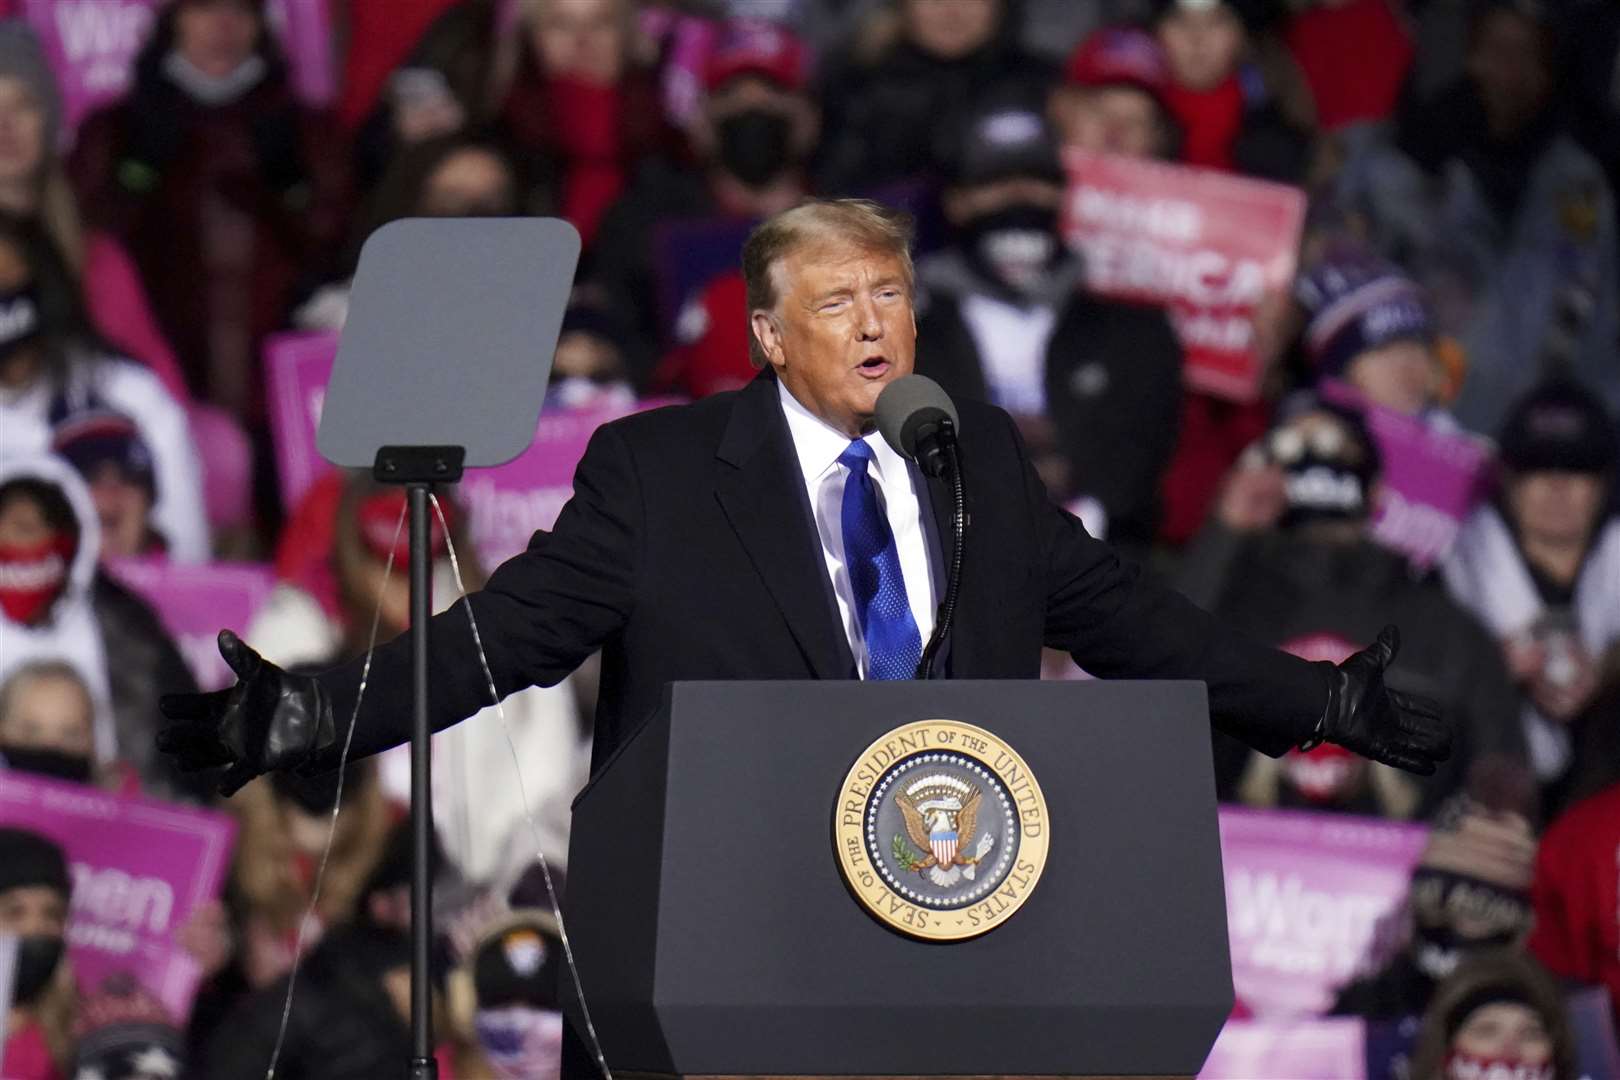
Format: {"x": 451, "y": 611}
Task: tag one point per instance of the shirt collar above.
{"x": 819, "y": 445}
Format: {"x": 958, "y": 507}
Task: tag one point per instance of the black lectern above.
{"x": 717, "y": 933}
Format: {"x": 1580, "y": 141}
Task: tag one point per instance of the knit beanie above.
{"x": 27, "y": 858}
{"x": 123, "y": 1031}
{"x": 1354, "y": 304}
{"x": 1559, "y": 425}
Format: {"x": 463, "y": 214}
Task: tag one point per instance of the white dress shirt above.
{"x": 818, "y": 446}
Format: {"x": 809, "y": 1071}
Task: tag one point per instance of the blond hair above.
{"x": 859, "y": 222}
{"x": 43, "y": 671}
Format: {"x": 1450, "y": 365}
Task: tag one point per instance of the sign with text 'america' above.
{"x": 1217, "y": 251}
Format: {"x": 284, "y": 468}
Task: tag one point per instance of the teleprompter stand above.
{"x": 442, "y": 365}
{"x": 419, "y": 468}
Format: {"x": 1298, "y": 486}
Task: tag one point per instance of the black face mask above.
{"x": 42, "y": 762}
{"x": 1324, "y": 489}
{"x": 1321, "y": 482}
{"x": 37, "y": 957}
{"x": 1015, "y": 247}
{"x": 19, "y": 319}
{"x": 754, "y": 145}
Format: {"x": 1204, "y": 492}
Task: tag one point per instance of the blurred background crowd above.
{"x": 1456, "y": 276}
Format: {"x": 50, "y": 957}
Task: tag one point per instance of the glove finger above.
{"x": 242, "y": 659}
{"x": 185, "y": 738}
{"x": 1412, "y": 763}
{"x": 1418, "y": 729}
{"x": 193, "y": 706}
{"x": 1387, "y": 645}
{"x": 1432, "y": 737}
{"x": 1431, "y": 746}
{"x": 236, "y": 776}
{"x": 193, "y": 747}
{"x": 1415, "y": 707}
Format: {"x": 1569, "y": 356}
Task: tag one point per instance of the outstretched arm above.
{"x": 1118, "y": 623}
{"x": 541, "y": 614}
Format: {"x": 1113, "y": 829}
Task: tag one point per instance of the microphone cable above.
{"x": 953, "y": 575}
{"x": 337, "y": 803}
{"x": 528, "y": 810}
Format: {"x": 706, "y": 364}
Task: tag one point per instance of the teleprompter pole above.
{"x": 419, "y": 468}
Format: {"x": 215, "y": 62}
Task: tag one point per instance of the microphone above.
{"x": 919, "y": 420}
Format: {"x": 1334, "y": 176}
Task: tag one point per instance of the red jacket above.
{"x": 1576, "y": 894}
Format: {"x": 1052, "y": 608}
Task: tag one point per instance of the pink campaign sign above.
{"x": 194, "y": 601}
{"x": 1433, "y": 477}
{"x": 92, "y": 45}
{"x": 304, "y": 28}
{"x": 1332, "y": 1049}
{"x": 504, "y": 504}
{"x": 140, "y": 868}
{"x": 297, "y": 368}
{"x": 1306, "y": 894}
{"x": 1209, "y": 246}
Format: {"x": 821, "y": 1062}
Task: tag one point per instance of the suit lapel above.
{"x": 760, "y": 488}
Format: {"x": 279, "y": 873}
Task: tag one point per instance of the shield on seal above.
{"x": 944, "y": 847}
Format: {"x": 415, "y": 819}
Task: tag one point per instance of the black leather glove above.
{"x": 1364, "y": 715}
{"x": 271, "y": 719}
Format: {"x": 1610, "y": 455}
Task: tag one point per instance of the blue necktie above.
{"x": 893, "y": 645}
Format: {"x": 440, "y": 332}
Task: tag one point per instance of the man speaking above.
{"x": 771, "y": 533}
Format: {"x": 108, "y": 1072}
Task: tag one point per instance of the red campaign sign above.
{"x": 1207, "y": 245}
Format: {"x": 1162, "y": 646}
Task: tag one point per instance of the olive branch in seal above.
{"x": 904, "y": 854}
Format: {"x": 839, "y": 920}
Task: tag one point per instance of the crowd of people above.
{"x": 1458, "y": 268}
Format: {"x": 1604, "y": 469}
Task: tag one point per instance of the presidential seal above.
{"x": 941, "y": 830}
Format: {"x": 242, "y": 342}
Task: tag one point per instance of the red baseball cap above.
{"x": 755, "y": 47}
{"x": 1119, "y": 56}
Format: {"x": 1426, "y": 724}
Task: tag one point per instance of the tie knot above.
{"x": 856, "y": 456}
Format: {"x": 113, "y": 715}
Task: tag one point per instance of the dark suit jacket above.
{"x": 688, "y": 552}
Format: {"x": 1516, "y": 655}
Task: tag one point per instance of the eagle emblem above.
{"x": 941, "y": 814}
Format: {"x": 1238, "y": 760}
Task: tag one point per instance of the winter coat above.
{"x": 144, "y": 664}
{"x": 343, "y": 1024}
{"x": 222, "y": 207}
{"x": 70, "y": 633}
{"x": 1112, "y": 379}
{"x": 623, "y": 260}
{"x": 1282, "y": 586}
{"x": 885, "y": 120}
{"x": 110, "y": 636}
{"x": 1517, "y": 248}
{"x": 1487, "y": 574}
